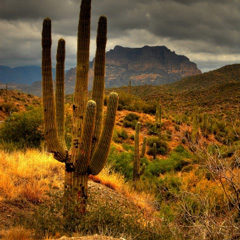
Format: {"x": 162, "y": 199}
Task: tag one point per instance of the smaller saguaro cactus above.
{"x": 154, "y": 150}
{"x": 137, "y": 172}
{"x": 158, "y": 116}
{"x": 130, "y": 87}
{"x": 144, "y": 147}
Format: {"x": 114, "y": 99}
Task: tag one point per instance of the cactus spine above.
{"x": 90, "y": 140}
{"x": 137, "y": 172}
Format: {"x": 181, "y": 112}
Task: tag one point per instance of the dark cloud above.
{"x": 207, "y": 31}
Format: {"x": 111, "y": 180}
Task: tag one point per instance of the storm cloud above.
{"x": 206, "y": 31}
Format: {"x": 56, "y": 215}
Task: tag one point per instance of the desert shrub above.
{"x": 168, "y": 187}
{"x": 162, "y": 147}
{"x": 103, "y": 217}
{"x": 123, "y": 134}
{"x": 149, "y": 108}
{"x": 125, "y": 99}
{"x": 130, "y": 120}
{"x": 177, "y": 128}
{"x": 119, "y": 136}
{"x": 134, "y": 103}
{"x": 121, "y": 162}
{"x": 153, "y": 129}
{"x": 177, "y": 159}
{"x": 23, "y": 130}
{"x": 221, "y": 151}
{"x": 128, "y": 147}
{"x": 8, "y": 107}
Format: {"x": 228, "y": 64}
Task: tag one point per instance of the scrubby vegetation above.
{"x": 191, "y": 188}
{"x": 192, "y": 185}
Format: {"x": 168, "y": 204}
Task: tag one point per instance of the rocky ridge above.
{"x": 147, "y": 65}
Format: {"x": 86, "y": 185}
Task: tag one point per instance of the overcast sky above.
{"x": 206, "y": 31}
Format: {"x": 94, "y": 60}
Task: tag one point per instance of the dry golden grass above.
{"x": 17, "y": 233}
{"x": 28, "y": 175}
{"x": 116, "y": 181}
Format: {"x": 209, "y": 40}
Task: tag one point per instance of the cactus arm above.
{"x": 81, "y": 85}
{"x": 99, "y": 77}
{"x": 50, "y": 128}
{"x": 101, "y": 152}
{"x": 59, "y": 92}
{"x": 142, "y": 169}
{"x": 83, "y": 157}
{"x": 144, "y": 147}
{"x": 136, "y": 163}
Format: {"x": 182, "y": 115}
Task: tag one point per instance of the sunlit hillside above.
{"x": 189, "y": 191}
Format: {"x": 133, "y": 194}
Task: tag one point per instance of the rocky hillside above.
{"x": 223, "y": 76}
{"x": 146, "y": 65}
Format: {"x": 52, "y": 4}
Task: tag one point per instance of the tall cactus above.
{"x": 90, "y": 139}
{"x": 137, "y": 172}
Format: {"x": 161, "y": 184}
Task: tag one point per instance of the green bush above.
{"x": 22, "y": 130}
{"x": 121, "y": 162}
{"x": 119, "y": 136}
{"x": 130, "y": 120}
{"x": 109, "y": 218}
{"x": 153, "y": 129}
{"x": 8, "y": 107}
{"x": 162, "y": 147}
{"x": 177, "y": 159}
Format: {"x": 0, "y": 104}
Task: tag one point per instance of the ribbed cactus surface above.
{"x": 90, "y": 138}
{"x": 137, "y": 171}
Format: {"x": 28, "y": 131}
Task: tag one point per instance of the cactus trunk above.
{"x": 136, "y": 164}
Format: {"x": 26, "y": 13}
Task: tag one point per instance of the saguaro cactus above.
{"x": 154, "y": 150}
{"x": 144, "y": 145}
{"x": 90, "y": 140}
{"x": 137, "y": 172}
{"x": 158, "y": 116}
{"x": 130, "y": 87}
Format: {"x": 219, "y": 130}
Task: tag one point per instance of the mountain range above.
{"x": 147, "y": 65}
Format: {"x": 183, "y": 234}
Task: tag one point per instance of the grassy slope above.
{"x": 14, "y": 101}
{"x": 224, "y": 75}
{"x": 213, "y": 92}
{"x": 28, "y": 178}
